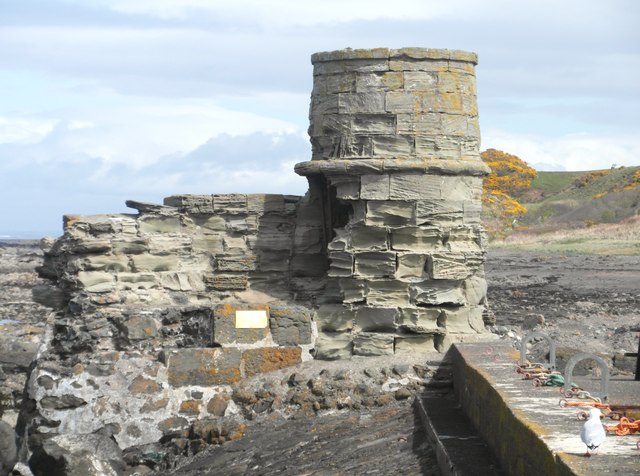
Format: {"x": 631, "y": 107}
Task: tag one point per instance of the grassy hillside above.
{"x": 585, "y": 212}
{"x": 570, "y": 198}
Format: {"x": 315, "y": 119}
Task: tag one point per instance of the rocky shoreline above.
{"x": 582, "y": 302}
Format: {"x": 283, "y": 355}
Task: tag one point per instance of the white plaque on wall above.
{"x": 251, "y": 319}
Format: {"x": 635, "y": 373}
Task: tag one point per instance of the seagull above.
{"x": 592, "y": 433}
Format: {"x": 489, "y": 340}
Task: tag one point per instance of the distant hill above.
{"x": 570, "y": 199}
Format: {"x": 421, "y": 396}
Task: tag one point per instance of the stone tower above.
{"x": 396, "y": 163}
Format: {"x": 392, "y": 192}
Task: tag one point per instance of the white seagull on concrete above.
{"x": 592, "y": 433}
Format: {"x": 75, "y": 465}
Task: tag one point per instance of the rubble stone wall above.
{"x": 146, "y": 333}
{"x": 159, "y": 312}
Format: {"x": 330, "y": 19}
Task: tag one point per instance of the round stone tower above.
{"x": 397, "y": 167}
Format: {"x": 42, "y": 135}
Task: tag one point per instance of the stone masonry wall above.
{"x": 395, "y": 140}
{"x": 145, "y": 336}
{"x": 157, "y": 313}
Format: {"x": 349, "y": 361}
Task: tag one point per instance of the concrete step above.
{"x": 459, "y": 449}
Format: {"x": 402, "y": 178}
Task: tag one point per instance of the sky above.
{"x": 102, "y": 101}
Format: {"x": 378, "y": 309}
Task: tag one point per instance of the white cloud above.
{"x": 136, "y": 134}
{"x": 573, "y": 152}
{"x": 298, "y": 12}
{"x": 24, "y": 130}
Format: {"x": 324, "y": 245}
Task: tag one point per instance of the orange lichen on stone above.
{"x": 266, "y": 359}
{"x": 190, "y": 407}
{"x": 141, "y": 384}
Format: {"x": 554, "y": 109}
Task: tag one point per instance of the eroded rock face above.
{"x": 158, "y": 314}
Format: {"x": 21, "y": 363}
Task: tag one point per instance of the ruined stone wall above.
{"x": 157, "y": 313}
{"x": 395, "y": 151}
{"x": 146, "y": 334}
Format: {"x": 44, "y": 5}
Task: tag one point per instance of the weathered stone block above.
{"x": 340, "y": 263}
{"x": 416, "y": 187}
{"x": 209, "y": 243}
{"x": 106, "y": 263}
{"x": 372, "y": 344}
{"x": 159, "y": 224}
{"x": 427, "y": 123}
{"x": 420, "y": 321}
{"x": 290, "y": 324}
{"x": 412, "y": 343}
{"x": 393, "y": 146}
{"x": 96, "y": 281}
{"x": 384, "y": 81}
{"x": 137, "y": 280}
{"x": 333, "y": 346}
{"x": 204, "y": 367}
{"x": 437, "y": 293}
{"x": 451, "y": 266}
{"x": 454, "y": 125}
{"x": 148, "y": 262}
{"x": 475, "y": 290}
{"x": 267, "y": 359}
{"x": 387, "y": 293}
{"x": 140, "y": 327}
{"x": 376, "y": 319}
{"x": 462, "y": 188}
{"x": 131, "y": 246}
{"x": 369, "y": 238}
{"x": 332, "y": 84}
{"x": 361, "y": 103}
{"x": 335, "y": 318}
{"x": 224, "y": 282}
{"x": 374, "y": 187}
{"x": 324, "y": 106}
{"x": 169, "y": 245}
{"x": 465, "y": 238}
{"x": 232, "y": 203}
{"x": 183, "y": 281}
{"x": 410, "y": 238}
{"x": 376, "y": 264}
{"x": 351, "y": 65}
{"x": 472, "y": 212}
{"x": 439, "y": 211}
{"x": 467, "y": 320}
{"x": 242, "y": 263}
{"x": 276, "y": 233}
{"x": 353, "y": 290}
{"x": 191, "y": 203}
{"x": 398, "y": 102}
{"x": 390, "y": 213}
{"x": 374, "y": 124}
{"x": 421, "y": 81}
{"x": 225, "y": 330}
{"x": 411, "y": 267}
{"x": 208, "y": 223}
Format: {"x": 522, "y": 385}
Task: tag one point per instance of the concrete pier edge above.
{"x": 522, "y": 426}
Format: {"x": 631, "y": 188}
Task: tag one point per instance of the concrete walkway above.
{"x": 525, "y": 427}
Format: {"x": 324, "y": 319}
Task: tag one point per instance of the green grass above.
{"x": 591, "y": 247}
{"x": 554, "y": 182}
